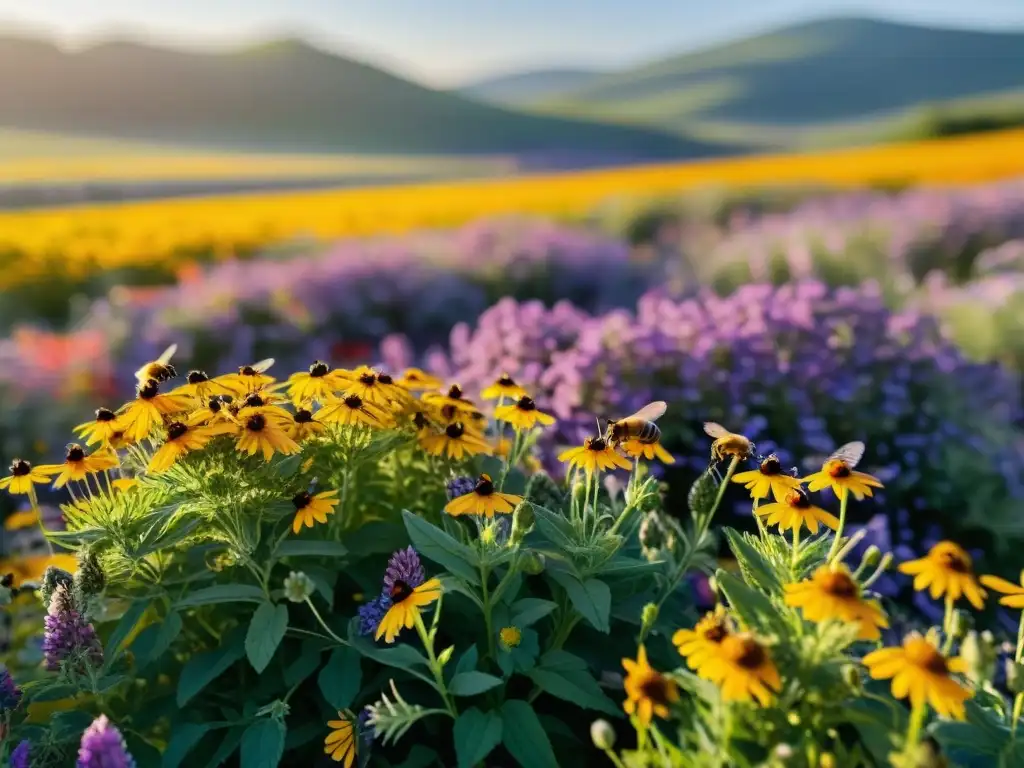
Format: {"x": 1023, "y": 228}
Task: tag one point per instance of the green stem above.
{"x": 488, "y": 619}
{"x": 614, "y": 758}
{"x": 761, "y": 527}
{"x": 324, "y": 623}
{"x": 1018, "y": 701}
{"x": 34, "y": 502}
{"x": 796, "y": 549}
{"x": 917, "y": 715}
{"x": 842, "y": 524}
{"x": 435, "y": 668}
{"x": 947, "y": 626}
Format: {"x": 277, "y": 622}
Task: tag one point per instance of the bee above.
{"x": 844, "y": 459}
{"x": 160, "y": 370}
{"x": 640, "y": 426}
{"x": 726, "y": 443}
{"x": 256, "y": 368}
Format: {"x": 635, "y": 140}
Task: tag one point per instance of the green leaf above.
{"x": 468, "y": 660}
{"x": 554, "y": 527}
{"x": 472, "y": 683}
{"x": 154, "y": 641}
{"x": 266, "y": 630}
{"x": 183, "y": 738}
{"x": 570, "y": 681}
{"x": 227, "y": 747}
{"x": 203, "y": 668}
{"x": 592, "y": 598}
{"x": 311, "y": 548}
{"x": 436, "y": 545}
{"x": 123, "y": 629}
{"x": 524, "y": 737}
{"x": 47, "y": 692}
{"x": 753, "y": 607}
{"x": 222, "y": 593}
{"x": 420, "y": 757}
{"x": 629, "y": 567}
{"x": 755, "y": 567}
{"x": 530, "y": 610}
{"x": 304, "y": 665}
{"x": 263, "y": 744}
{"x": 341, "y": 678}
{"x": 403, "y": 656}
{"x": 476, "y": 736}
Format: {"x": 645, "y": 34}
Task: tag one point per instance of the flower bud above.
{"x": 782, "y": 752}
{"x": 54, "y": 577}
{"x": 793, "y": 718}
{"x": 602, "y": 734}
{"x": 1014, "y": 676}
{"x": 960, "y": 624}
{"x": 90, "y": 580}
{"x": 648, "y": 617}
{"x": 579, "y": 494}
{"x": 298, "y": 587}
{"x": 979, "y": 654}
{"x": 872, "y": 556}
{"x": 532, "y": 563}
{"x": 522, "y": 523}
{"x": 827, "y": 760}
{"x": 851, "y": 675}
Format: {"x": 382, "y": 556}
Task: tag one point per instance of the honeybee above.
{"x": 160, "y": 370}
{"x": 640, "y": 426}
{"x": 256, "y": 368}
{"x": 727, "y": 443}
{"x": 844, "y": 459}
{"x": 248, "y": 379}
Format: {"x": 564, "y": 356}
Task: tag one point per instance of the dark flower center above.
{"x": 247, "y": 370}
{"x": 454, "y": 431}
{"x": 716, "y": 633}
{"x": 771, "y": 465}
{"x": 104, "y": 414}
{"x": 797, "y": 499}
{"x": 953, "y": 562}
{"x": 7, "y": 580}
{"x": 197, "y": 377}
{"x": 596, "y": 444}
{"x": 149, "y": 390}
{"x": 752, "y": 655}
{"x": 400, "y": 591}
{"x": 318, "y": 369}
{"x": 839, "y": 469}
{"x": 448, "y": 412}
{"x": 455, "y": 392}
{"x": 655, "y": 687}
{"x": 506, "y": 381}
{"x": 254, "y": 401}
{"x": 256, "y": 422}
{"x": 74, "y": 453}
{"x": 214, "y": 404}
{"x": 303, "y": 416}
{"x": 526, "y": 404}
{"x": 420, "y": 420}
{"x": 838, "y": 584}
{"x": 484, "y": 486}
{"x": 354, "y": 401}
{"x": 20, "y": 468}
{"x": 369, "y": 379}
{"x": 302, "y": 500}
{"x": 385, "y": 378}
{"x": 175, "y": 430}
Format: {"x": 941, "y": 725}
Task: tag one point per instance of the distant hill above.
{"x": 286, "y": 96}
{"x": 528, "y": 87}
{"x": 814, "y": 74}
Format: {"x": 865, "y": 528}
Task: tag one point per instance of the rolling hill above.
{"x": 520, "y": 88}
{"x": 287, "y": 96}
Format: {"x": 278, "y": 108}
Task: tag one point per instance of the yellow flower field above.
{"x": 77, "y": 242}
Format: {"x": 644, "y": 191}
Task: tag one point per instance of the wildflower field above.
{"x": 381, "y": 500}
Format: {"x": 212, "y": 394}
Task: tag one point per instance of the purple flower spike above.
{"x": 460, "y": 486}
{"x": 20, "y": 755}
{"x": 371, "y": 614}
{"x": 404, "y": 566}
{"x": 67, "y": 633}
{"x": 10, "y": 694}
{"x": 103, "y": 747}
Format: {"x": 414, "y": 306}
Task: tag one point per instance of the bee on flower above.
{"x": 416, "y": 380}
{"x": 77, "y": 465}
{"x": 946, "y": 570}
{"x": 832, "y": 593}
{"x": 648, "y": 692}
{"x": 24, "y": 476}
{"x": 305, "y": 425}
{"x": 249, "y": 378}
{"x": 182, "y": 440}
{"x": 317, "y": 385}
{"x": 352, "y": 410}
{"x": 921, "y": 673}
{"x": 142, "y": 415}
{"x": 260, "y": 433}
{"x": 523, "y": 414}
{"x": 453, "y": 397}
{"x": 408, "y": 591}
{"x": 794, "y": 510}
{"x": 214, "y": 412}
{"x": 483, "y": 500}
{"x": 160, "y": 370}
{"x": 638, "y": 435}
{"x": 455, "y": 442}
{"x": 504, "y": 386}
{"x": 768, "y": 479}
{"x": 201, "y": 387}
{"x": 702, "y": 642}
{"x": 594, "y": 455}
{"x": 101, "y": 429}
{"x": 727, "y": 443}
{"x": 838, "y": 473}
{"x": 311, "y": 509}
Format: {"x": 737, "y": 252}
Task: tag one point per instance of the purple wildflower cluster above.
{"x": 103, "y": 747}
{"x": 67, "y": 633}
{"x": 460, "y": 486}
{"x": 10, "y": 694}
{"x": 404, "y": 566}
{"x": 21, "y": 755}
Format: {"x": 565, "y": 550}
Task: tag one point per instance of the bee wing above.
{"x": 263, "y": 365}
{"x": 850, "y": 454}
{"x": 714, "y": 429}
{"x": 165, "y": 358}
{"x": 649, "y": 412}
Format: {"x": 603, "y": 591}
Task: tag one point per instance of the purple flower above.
{"x": 103, "y": 747}
{"x": 20, "y": 756}
{"x": 405, "y": 567}
{"x": 10, "y": 694}
{"x": 365, "y": 730}
{"x": 372, "y": 613}
{"x": 67, "y": 633}
{"x": 460, "y": 486}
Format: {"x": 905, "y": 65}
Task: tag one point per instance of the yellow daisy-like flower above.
{"x": 395, "y": 392}
{"x": 124, "y": 484}
{"x": 266, "y": 403}
{"x": 406, "y": 602}
{"x": 922, "y": 674}
{"x": 147, "y": 411}
{"x": 523, "y": 414}
{"x": 305, "y": 425}
{"x": 503, "y": 387}
{"x": 833, "y": 594}
{"x": 483, "y": 500}
{"x": 649, "y": 451}
{"x": 946, "y": 570}
{"x": 452, "y": 397}
{"x": 311, "y": 509}
{"x": 743, "y": 669}
{"x": 1014, "y": 592}
{"x": 838, "y": 475}
{"x": 648, "y": 692}
{"x": 768, "y": 478}
{"x": 32, "y": 567}
{"x": 367, "y": 385}
{"x": 455, "y": 442}
{"x": 352, "y": 410}
{"x": 340, "y": 743}
{"x": 181, "y": 440}
{"x": 214, "y": 412}
{"x": 473, "y": 421}
{"x": 24, "y": 475}
{"x": 595, "y": 454}
{"x": 77, "y": 465}
{"x": 510, "y": 637}
{"x": 702, "y": 642}
{"x": 794, "y": 510}
{"x": 317, "y": 385}
{"x": 250, "y": 378}
{"x": 259, "y": 433}
{"x": 101, "y": 429}
{"x": 416, "y": 380}
{"x": 25, "y": 518}
{"x": 201, "y": 387}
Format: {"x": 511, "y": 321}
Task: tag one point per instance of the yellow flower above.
{"x": 483, "y": 500}
{"x": 260, "y": 433}
{"x": 201, "y": 387}
{"x": 842, "y": 478}
{"x": 77, "y": 465}
{"x": 946, "y": 570}
{"x": 767, "y": 479}
{"x": 743, "y": 669}
{"x": 340, "y": 743}
{"x": 215, "y": 411}
{"x": 648, "y": 692}
{"x": 183, "y": 439}
{"x": 25, "y": 518}
{"x": 146, "y": 411}
{"x": 32, "y": 567}
{"x": 649, "y": 451}
{"x": 398, "y": 396}
{"x": 24, "y": 475}
{"x": 352, "y": 409}
{"x": 1014, "y": 592}
{"x": 100, "y": 430}
{"x": 453, "y": 398}
{"x": 699, "y": 644}
{"x": 415, "y": 380}
{"x": 523, "y": 414}
{"x": 367, "y": 385}
{"x": 406, "y": 602}
{"x": 595, "y": 454}
{"x": 472, "y": 420}
{"x": 265, "y": 403}
{"x": 829, "y": 595}
{"x": 795, "y": 510}
{"x": 503, "y": 387}
{"x": 249, "y": 378}
{"x": 455, "y": 442}
{"x": 305, "y": 426}
{"x": 317, "y": 385}
{"x": 510, "y": 637}
{"x": 124, "y": 484}
{"x": 922, "y": 674}
{"x": 313, "y": 509}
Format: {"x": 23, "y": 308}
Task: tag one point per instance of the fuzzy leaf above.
{"x": 222, "y": 593}
{"x": 183, "y": 738}
{"x": 752, "y": 606}
{"x": 263, "y": 744}
{"x": 472, "y": 683}
{"x": 524, "y": 737}
{"x": 341, "y": 678}
{"x": 311, "y": 548}
{"x": 266, "y": 630}
{"x": 554, "y": 527}
{"x": 476, "y": 736}
{"x": 755, "y": 567}
{"x": 203, "y": 668}
{"x": 530, "y": 610}
{"x": 592, "y": 598}
{"x": 434, "y": 544}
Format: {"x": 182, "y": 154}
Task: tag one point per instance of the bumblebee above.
{"x": 640, "y": 426}
{"x": 845, "y": 459}
{"x": 160, "y": 370}
{"x": 727, "y": 443}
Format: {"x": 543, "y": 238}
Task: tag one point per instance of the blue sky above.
{"x": 443, "y": 42}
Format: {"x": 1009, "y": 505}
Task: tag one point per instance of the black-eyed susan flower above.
{"x": 367, "y": 386}
{"x": 595, "y": 454}
{"x": 408, "y": 590}
{"x": 648, "y": 692}
{"x": 144, "y": 413}
{"x": 266, "y": 403}
{"x": 1014, "y": 592}
{"x": 838, "y": 473}
{"x": 473, "y": 421}
{"x": 523, "y": 414}
{"x": 353, "y": 410}
{"x": 340, "y": 743}
{"x": 100, "y": 429}
{"x": 77, "y": 465}
{"x": 249, "y": 378}
{"x": 453, "y": 397}
{"x": 214, "y": 412}
{"x": 416, "y": 380}
{"x": 316, "y": 385}
{"x": 743, "y": 670}
{"x": 23, "y": 476}
{"x": 201, "y": 387}
{"x": 921, "y": 673}
{"x": 258, "y": 433}
{"x": 181, "y": 440}
{"x": 702, "y": 642}
{"x": 311, "y": 509}
{"x": 794, "y": 510}
{"x": 503, "y": 387}
{"x": 305, "y": 425}
{"x": 946, "y": 570}
{"x": 833, "y": 594}
{"x": 768, "y": 479}
{"x": 650, "y": 451}
{"x": 483, "y": 500}
{"x": 398, "y": 396}
{"x": 455, "y": 442}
